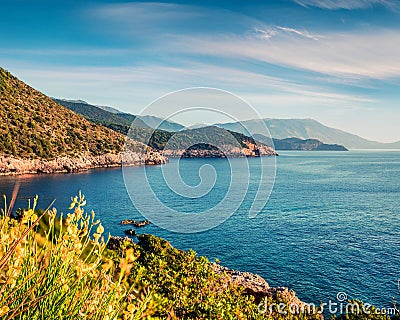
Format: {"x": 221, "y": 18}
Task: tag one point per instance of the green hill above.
{"x": 156, "y": 122}
{"x": 34, "y": 126}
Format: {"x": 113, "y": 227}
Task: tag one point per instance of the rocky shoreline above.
{"x": 67, "y": 164}
{"x": 257, "y": 287}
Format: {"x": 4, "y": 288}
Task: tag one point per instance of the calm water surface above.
{"x": 332, "y": 222}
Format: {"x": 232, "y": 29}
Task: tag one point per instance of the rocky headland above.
{"x": 249, "y": 149}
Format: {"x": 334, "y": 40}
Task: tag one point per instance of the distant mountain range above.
{"x": 166, "y": 125}
{"x": 307, "y": 129}
{"x": 121, "y": 122}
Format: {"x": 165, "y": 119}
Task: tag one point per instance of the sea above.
{"x": 330, "y": 225}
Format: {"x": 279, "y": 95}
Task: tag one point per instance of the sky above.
{"x": 336, "y": 61}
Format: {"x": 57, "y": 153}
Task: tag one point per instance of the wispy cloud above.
{"x": 264, "y": 33}
{"x": 347, "y": 4}
{"x": 305, "y": 34}
{"x": 273, "y": 31}
{"x": 155, "y": 19}
{"x": 372, "y": 54}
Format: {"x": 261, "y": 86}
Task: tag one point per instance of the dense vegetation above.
{"x": 34, "y": 126}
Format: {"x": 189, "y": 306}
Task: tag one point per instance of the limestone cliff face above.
{"x": 84, "y": 161}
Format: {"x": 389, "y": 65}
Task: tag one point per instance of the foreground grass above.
{"x": 60, "y": 268}
{"x": 57, "y": 273}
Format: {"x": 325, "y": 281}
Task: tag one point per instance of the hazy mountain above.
{"x": 78, "y": 101}
{"x": 70, "y": 100}
{"x": 198, "y": 126}
{"x": 109, "y": 109}
{"x": 307, "y": 129}
{"x": 161, "y": 124}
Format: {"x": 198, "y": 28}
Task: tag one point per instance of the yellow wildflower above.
{"x": 100, "y": 229}
{"x": 129, "y": 310}
{"x": 4, "y": 310}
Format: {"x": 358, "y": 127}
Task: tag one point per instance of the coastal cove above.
{"x": 331, "y": 223}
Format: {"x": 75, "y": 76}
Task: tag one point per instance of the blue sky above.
{"x": 337, "y": 61}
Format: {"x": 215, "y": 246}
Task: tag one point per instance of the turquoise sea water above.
{"x": 332, "y": 222}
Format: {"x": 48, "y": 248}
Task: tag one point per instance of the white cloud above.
{"x": 346, "y": 4}
{"x": 372, "y": 54}
{"x": 147, "y": 12}
{"x": 273, "y": 31}
{"x": 264, "y": 33}
{"x": 304, "y": 34}
{"x": 155, "y": 20}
